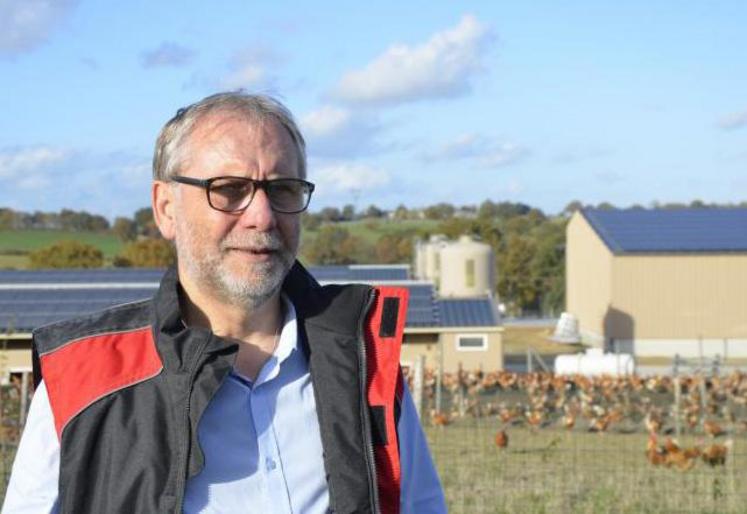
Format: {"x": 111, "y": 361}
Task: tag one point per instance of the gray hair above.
{"x": 170, "y": 144}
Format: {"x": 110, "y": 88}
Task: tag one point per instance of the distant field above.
{"x": 518, "y": 339}
{"x": 13, "y": 261}
{"x": 370, "y": 230}
{"x": 15, "y": 244}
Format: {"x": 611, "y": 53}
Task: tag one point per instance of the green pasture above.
{"x": 553, "y": 471}
{"x": 371, "y": 229}
{"x": 16, "y": 244}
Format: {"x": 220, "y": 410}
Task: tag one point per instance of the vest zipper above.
{"x": 363, "y": 373}
{"x": 181, "y": 483}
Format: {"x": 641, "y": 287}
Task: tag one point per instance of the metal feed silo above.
{"x": 467, "y": 268}
{"x": 432, "y": 258}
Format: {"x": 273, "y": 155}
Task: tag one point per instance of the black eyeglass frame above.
{"x": 256, "y": 184}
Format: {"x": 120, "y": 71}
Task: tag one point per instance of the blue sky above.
{"x": 401, "y": 102}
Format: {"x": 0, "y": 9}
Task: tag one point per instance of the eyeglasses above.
{"x": 234, "y": 194}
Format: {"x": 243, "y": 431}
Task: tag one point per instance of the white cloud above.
{"x": 734, "y": 121}
{"x": 348, "y": 177}
{"x": 443, "y": 66}
{"x": 482, "y": 151}
{"x": 248, "y": 69}
{"x": 332, "y": 131}
{"x": 18, "y": 163}
{"x": 167, "y": 54}
{"x": 247, "y": 76}
{"x": 26, "y": 24}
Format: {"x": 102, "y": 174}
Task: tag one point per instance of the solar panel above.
{"x": 675, "y": 230}
{"x": 467, "y": 312}
{"x": 69, "y": 276}
{"x": 63, "y": 294}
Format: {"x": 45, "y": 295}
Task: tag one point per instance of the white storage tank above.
{"x": 432, "y": 257}
{"x": 420, "y": 260}
{"x": 594, "y": 363}
{"x": 467, "y": 268}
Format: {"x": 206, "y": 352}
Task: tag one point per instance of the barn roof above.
{"x": 705, "y": 230}
{"x": 30, "y": 299}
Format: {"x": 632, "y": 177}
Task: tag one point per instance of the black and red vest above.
{"x": 128, "y": 386}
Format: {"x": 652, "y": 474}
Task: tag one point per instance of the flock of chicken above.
{"x": 708, "y": 406}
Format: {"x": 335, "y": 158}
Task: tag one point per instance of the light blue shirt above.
{"x": 261, "y": 443}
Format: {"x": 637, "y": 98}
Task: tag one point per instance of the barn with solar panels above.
{"x": 659, "y": 282}
{"x": 446, "y": 331}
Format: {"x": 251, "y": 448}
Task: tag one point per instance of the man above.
{"x": 242, "y": 386}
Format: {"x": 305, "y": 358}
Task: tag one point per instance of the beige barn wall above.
{"x": 588, "y": 268}
{"x": 415, "y": 345}
{"x": 15, "y": 356}
{"x": 674, "y": 297}
{"x": 490, "y": 359}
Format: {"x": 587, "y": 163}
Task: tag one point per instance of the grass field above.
{"x": 516, "y": 340}
{"x": 16, "y": 244}
{"x": 370, "y": 230}
{"x": 552, "y": 471}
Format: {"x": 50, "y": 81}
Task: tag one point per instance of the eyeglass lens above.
{"x": 232, "y": 194}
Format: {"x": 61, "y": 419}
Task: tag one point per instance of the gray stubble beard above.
{"x": 209, "y": 271}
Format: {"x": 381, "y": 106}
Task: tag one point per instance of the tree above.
{"x": 310, "y": 221}
{"x": 125, "y": 229}
{"x": 67, "y": 254}
{"x": 548, "y": 266}
{"x": 7, "y": 218}
{"x": 146, "y": 225}
{"x": 572, "y": 207}
{"x": 374, "y": 212}
{"x": 440, "y": 211}
{"x": 401, "y": 213}
{"x": 335, "y": 245}
{"x": 516, "y": 282}
{"x": 330, "y": 214}
{"x": 348, "y": 212}
{"x": 147, "y": 253}
{"x": 394, "y": 248}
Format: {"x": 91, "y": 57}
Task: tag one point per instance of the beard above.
{"x": 250, "y": 285}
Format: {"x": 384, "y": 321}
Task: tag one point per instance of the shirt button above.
{"x": 270, "y": 464}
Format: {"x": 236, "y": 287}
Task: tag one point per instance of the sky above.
{"x": 410, "y": 103}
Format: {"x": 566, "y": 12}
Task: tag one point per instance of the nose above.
{"x": 259, "y": 214}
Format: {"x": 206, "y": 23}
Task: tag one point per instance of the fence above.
{"x": 14, "y": 400}
{"x": 536, "y": 442}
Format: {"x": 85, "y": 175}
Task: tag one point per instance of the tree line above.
{"x": 529, "y": 244}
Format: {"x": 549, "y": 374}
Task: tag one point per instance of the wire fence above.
{"x": 14, "y": 399}
{"x": 537, "y": 442}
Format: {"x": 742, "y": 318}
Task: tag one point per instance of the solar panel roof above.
{"x": 30, "y": 299}
{"x": 467, "y": 312}
{"x": 671, "y": 231}
{"x": 355, "y": 273}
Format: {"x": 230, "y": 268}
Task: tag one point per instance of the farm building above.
{"x": 659, "y": 282}
{"x": 446, "y": 331}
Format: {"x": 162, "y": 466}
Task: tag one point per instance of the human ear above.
{"x": 163, "y": 199}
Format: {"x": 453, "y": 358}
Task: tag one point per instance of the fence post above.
{"x": 24, "y": 398}
{"x": 702, "y": 400}
{"x": 417, "y": 385}
{"x": 529, "y": 360}
{"x": 677, "y": 397}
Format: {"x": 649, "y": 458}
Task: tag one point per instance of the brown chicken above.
{"x": 440, "y": 419}
{"x": 712, "y": 428}
{"x": 655, "y": 454}
{"x": 715, "y": 454}
{"x": 501, "y": 439}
